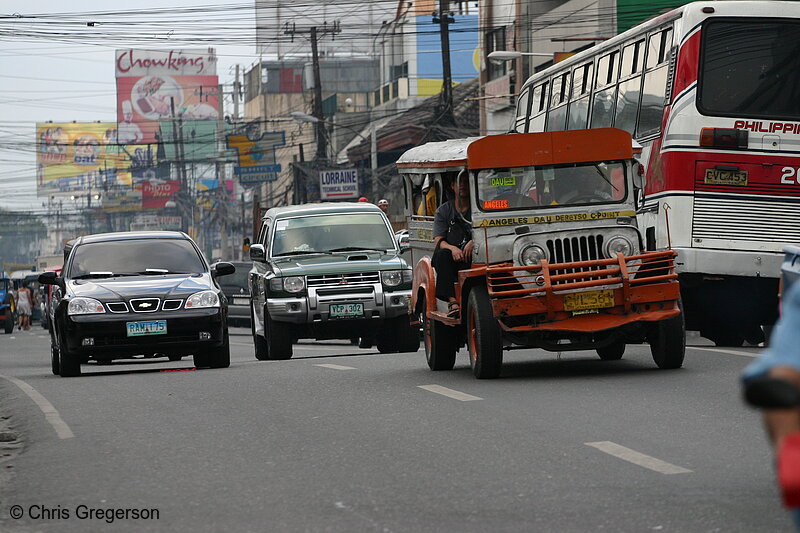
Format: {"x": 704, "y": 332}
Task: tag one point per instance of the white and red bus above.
{"x": 711, "y": 91}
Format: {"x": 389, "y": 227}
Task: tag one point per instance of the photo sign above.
{"x": 340, "y": 184}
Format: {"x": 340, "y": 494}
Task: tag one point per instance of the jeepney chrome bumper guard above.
{"x": 645, "y": 289}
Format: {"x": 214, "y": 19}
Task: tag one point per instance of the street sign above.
{"x": 257, "y": 162}
{"x": 340, "y": 184}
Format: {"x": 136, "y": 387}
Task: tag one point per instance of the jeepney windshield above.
{"x": 504, "y": 189}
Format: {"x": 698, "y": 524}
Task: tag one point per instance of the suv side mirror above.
{"x": 222, "y": 269}
{"x": 257, "y": 252}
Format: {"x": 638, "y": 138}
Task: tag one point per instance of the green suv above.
{"x": 329, "y": 271}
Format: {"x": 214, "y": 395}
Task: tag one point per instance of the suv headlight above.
{"x": 294, "y": 284}
{"x": 532, "y": 255}
{"x": 392, "y": 278}
{"x": 202, "y": 299}
{"x": 618, "y": 244}
{"x": 84, "y": 306}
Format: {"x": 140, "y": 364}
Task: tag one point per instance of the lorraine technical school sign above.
{"x": 340, "y": 184}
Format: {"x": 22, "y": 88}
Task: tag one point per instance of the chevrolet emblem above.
{"x": 145, "y": 304}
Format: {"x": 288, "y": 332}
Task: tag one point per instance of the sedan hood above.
{"x": 124, "y": 288}
{"x": 338, "y": 263}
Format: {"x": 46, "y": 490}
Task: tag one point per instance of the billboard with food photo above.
{"x": 155, "y": 85}
{"x": 80, "y": 156}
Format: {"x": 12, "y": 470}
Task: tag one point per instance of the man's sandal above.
{"x": 453, "y": 310}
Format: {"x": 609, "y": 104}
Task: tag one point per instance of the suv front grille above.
{"x": 338, "y": 280}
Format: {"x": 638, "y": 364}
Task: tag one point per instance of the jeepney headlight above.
{"x": 532, "y": 255}
{"x": 84, "y": 306}
{"x": 392, "y": 278}
{"x": 618, "y": 244}
{"x": 294, "y": 284}
{"x": 202, "y": 299}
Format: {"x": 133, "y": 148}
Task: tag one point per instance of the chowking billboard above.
{"x": 81, "y": 156}
{"x": 156, "y": 85}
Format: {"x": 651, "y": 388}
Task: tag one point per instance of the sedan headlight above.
{"x": 84, "y": 306}
{"x": 392, "y": 278}
{"x": 618, "y": 244}
{"x": 532, "y": 255}
{"x": 202, "y": 299}
{"x": 294, "y": 284}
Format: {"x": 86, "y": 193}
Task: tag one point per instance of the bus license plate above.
{"x": 581, "y": 301}
{"x": 347, "y": 310}
{"x": 715, "y": 176}
{"x": 150, "y": 327}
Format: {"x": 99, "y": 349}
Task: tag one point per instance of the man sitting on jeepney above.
{"x": 452, "y": 237}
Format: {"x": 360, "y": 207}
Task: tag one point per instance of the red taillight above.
{"x": 723, "y": 138}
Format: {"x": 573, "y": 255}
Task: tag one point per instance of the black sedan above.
{"x": 137, "y": 293}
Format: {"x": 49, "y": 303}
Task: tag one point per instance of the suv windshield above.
{"x": 136, "y": 256}
{"x": 330, "y": 233}
{"x": 504, "y": 189}
{"x": 750, "y": 69}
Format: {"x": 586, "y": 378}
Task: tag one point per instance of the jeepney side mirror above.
{"x": 637, "y": 170}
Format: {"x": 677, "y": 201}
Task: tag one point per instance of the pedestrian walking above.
{"x": 24, "y": 306}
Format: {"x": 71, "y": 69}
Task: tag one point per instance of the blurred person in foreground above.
{"x": 781, "y": 361}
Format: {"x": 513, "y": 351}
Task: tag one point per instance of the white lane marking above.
{"x": 50, "y": 413}
{"x": 450, "y": 393}
{"x": 302, "y": 348}
{"x": 337, "y": 367}
{"x": 729, "y": 352}
{"x": 640, "y": 459}
{"x": 12, "y": 337}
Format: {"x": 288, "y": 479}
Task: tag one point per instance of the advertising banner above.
{"x": 148, "y": 222}
{"x": 153, "y": 83}
{"x": 81, "y": 156}
{"x": 256, "y": 155}
{"x": 123, "y": 199}
{"x": 339, "y": 184}
{"x": 156, "y": 194}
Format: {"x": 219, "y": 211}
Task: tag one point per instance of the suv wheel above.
{"x": 258, "y": 341}
{"x": 277, "y": 338}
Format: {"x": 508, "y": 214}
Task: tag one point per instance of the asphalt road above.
{"x": 342, "y": 439}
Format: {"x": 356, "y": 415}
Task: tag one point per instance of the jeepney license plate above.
{"x": 347, "y": 310}
{"x": 150, "y": 327}
{"x": 716, "y": 176}
{"x": 581, "y": 301}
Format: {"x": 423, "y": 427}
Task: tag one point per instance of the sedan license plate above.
{"x": 150, "y": 327}
{"x": 581, "y": 301}
{"x": 347, "y": 310}
{"x": 715, "y": 176}
{"x": 241, "y": 300}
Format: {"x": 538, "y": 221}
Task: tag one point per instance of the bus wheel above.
{"x": 483, "y": 336}
{"x": 667, "y": 340}
{"x": 440, "y": 343}
{"x": 612, "y": 352}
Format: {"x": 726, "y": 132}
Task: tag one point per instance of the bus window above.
{"x": 557, "y": 115}
{"x": 607, "y": 69}
{"x": 632, "y": 58}
{"x": 627, "y": 104}
{"x": 578, "y": 114}
{"x": 560, "y": 89}
{"x": 653, "y": 95}
{"x": 603, "y": 108}
{"x": 658, "y": 48}
{"x": 538, "y": 107}
{"x": 523, "y": 111}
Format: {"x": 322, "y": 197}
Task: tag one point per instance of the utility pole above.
{"x": 315, "y": 33}
{"x": 444, "y": 18}
{"x": 237, "y": 89}
{"x": 181, "y": 164}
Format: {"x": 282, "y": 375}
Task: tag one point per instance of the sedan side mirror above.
{"x": 257, "y": 252}
{"x": 222, "y": 269}
{"x": 50, "y": 278}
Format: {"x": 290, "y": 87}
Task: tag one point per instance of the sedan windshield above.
{"x": 504, "y": 189}
{"x": 136, "y": 256}
{"x": 331, "y": 233}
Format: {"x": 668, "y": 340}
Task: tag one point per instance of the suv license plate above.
{"x": 581, "y": 301}
{"x": 151, "y": 327}
{"x": 347, "y": 310}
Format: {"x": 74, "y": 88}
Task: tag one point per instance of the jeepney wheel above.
{"x": 440, "y": 342}
{"x": 667, "y": 340}
{"x": 8, "y": 327}
{"x": 483, "y": 336}
{"x": 612, "y": 352}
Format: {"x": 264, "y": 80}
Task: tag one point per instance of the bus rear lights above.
{"x": 724, "y": 138}
{"x": 205, "y": 336}
{"x": 87, "y": 341}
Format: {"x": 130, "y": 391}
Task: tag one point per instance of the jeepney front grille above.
{"x": 573, "y": 249}
{"x": 341, "y": 280}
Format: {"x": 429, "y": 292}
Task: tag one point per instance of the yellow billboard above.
{"x": 80, "y": 156}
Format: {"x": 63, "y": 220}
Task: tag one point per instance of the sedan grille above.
{"x": 117, "y": 307}
{"x": 335, "y": 280}
{"x": 145, "y": 305}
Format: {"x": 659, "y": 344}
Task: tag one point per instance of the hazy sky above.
{"x": 56, "y": 67}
